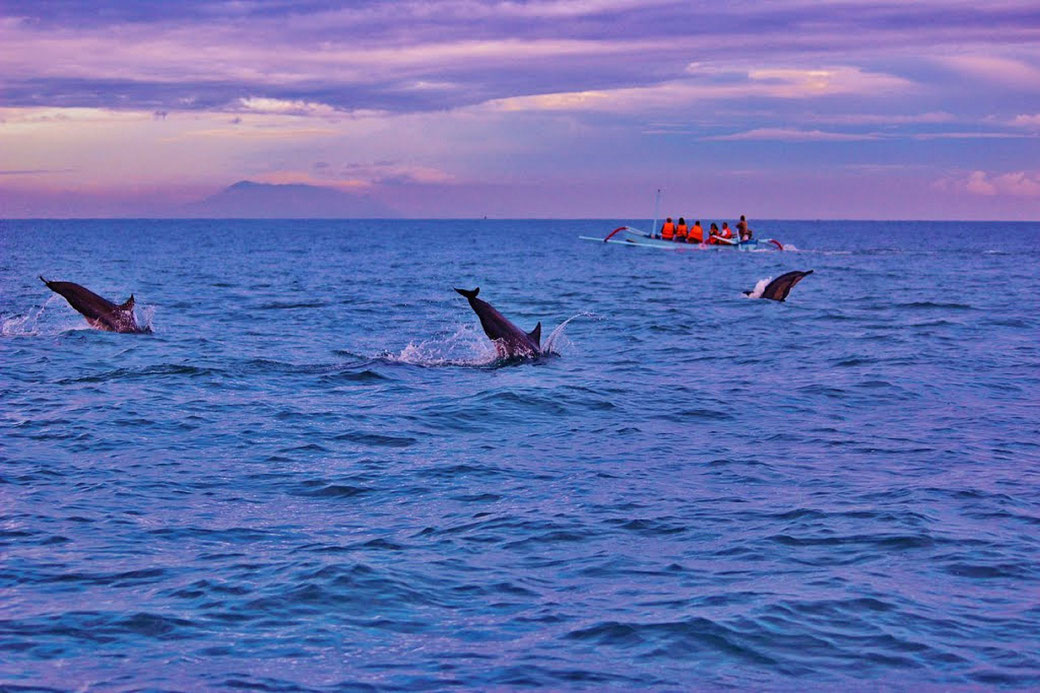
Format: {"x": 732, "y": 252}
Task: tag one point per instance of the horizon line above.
{"x": 487, "y": 218}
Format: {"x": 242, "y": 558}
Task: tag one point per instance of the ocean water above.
{"x": 314, "y": 475}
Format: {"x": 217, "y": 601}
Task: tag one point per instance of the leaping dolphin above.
{"x": 778, "y": 289}
{"x": 101, "y": 313}
{"x": 509, "y": 339}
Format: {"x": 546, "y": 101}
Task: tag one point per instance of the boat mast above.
{"x": 657, "y": 205}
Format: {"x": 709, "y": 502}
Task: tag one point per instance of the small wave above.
{"x": 333, "y": 491}
{"x": 855, "y": 361}
{"x": 264, "y": 366}
{"x": 982, "y": 571}
{"x": 152, "y": 625}
{"x": 377, "y": 440}
{"x": 357, "y": 376}
{"x": 708, "y": 414}
{"x": 128, "y": 373}
{"x": 932, "y": 304}
{"x": 675, "y": 638}
{"x": 279, "y": 305}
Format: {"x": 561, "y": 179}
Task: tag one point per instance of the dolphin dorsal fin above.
{"x": 129, "y": 305}
{"x": 536, "y": 334}
{"x": 469, "y": 294}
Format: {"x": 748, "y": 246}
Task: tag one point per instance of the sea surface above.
{"x": 315, "y": 475}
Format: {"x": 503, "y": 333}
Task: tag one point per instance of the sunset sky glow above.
{"x": 547, "y": 108}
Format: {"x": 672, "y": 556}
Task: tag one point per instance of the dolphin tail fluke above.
{"x": 129, "y": 305}
{"x": 536, "y": 334}
{"x": 469, "y": 294}
{"x": 44, "y": 280}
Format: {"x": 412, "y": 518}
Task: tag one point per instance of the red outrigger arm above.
{"x": 777, "y": 243}
{"x": 620, "y": 228}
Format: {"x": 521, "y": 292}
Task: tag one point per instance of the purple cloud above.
{"x": 453, "y": 93}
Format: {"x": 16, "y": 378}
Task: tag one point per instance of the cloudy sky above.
{"x": 538, "y": 108}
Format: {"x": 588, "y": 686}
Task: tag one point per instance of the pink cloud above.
{"x": 792, "y": 135}
{"x": 1026, "y": 120}
{"x": 1013, "y": 184}
{"x": 1008, "y": 71}
{"x": 883, "y": 118}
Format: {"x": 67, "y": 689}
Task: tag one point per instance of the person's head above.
{"x": 682, "y": 220}
{"x": 742, "y": 218}
{"x": 668, "y": 219}
{"x": 725, "y": 224}
{"x": 697, "y": 223}
{"x": 714, "y": 226}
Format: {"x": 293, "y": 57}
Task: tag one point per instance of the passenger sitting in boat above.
{"x": 681, "y": 230}
{"x": 668, "y": 230}
{"x": 713, "y": 234}
{"x": 743, "y": 230}
{"x": 726, "y": 231}
{"x": 696, "y": 234}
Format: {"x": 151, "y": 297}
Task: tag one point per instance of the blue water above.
{"x": 314, "y": 475}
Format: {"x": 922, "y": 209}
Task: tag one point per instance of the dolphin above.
{"x": 101, "y": 313}
{"x": 778, "y": 289}
{"x": 509, "y": 339}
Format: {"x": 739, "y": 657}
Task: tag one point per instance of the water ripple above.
{"x": 301, "y": 483}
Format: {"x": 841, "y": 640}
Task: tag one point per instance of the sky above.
{"x": 545, "y": 108}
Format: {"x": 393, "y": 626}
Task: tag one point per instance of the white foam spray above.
{"x": 466, "y": 347}
{"x": 759, "y": 288}
{"x": 556, "y": 341}
{"x": 143, "y": 315}
{"x": 35, "y": 323}
{"x": 27, "y": 325}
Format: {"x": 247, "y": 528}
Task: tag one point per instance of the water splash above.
{"x": 466, "y": 347}
{"x": 144, "y": 315}
{"x": 759, "y": 288}
{"x": 40, "y": 321}
{"x": 556, "y": 340}
{"x": 470, "y": 348}
{"x": 27, "y": 325}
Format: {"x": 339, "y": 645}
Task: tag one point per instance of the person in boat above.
{"x": 681, "y": 230}
{"x": 696, "y": 234}
{"x": 726, "y": 231}
{"x": 713, "y": 234}
{"x": 668, "y": 230}
{"x": 742, "y": 229}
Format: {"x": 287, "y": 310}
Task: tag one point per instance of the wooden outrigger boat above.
{"x": 632, "y": 236}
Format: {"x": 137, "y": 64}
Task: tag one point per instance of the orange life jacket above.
{"x": 668, "y": 231}
{"x": 681, "y": 230}
{"x": 726, "y": 232}
{"x": 697, "y": 233}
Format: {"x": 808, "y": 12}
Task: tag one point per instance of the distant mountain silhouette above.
{"x": 248, "y": 200}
